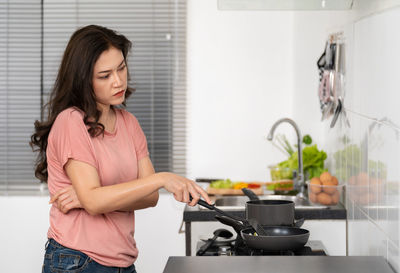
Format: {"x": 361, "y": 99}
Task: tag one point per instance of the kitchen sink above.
{"x": 239, "y": 202}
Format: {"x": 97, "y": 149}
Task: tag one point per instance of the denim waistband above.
{"x": 53, "y": 243}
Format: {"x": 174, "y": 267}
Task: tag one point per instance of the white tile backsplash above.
{"x": 393, "y": 255}
{"x": 375, "y": 64}
{"x": 366, "y": 155}
{"x": 358, "y": 231}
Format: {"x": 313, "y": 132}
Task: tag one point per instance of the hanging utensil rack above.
{"x": 331, "y": 67}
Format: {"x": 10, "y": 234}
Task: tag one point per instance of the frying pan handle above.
{"x": 237, "y": 226}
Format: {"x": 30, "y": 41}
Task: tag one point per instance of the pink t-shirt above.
{"x": 106, "y": 238}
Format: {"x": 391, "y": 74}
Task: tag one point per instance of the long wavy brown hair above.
{"x": 73, "y": 86}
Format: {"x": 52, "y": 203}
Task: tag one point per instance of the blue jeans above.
{"x": 61, "y": 259}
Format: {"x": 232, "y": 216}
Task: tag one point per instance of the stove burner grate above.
{"x": 238, "y": 248}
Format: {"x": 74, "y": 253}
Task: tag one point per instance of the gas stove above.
{"x": 236, "y": 248}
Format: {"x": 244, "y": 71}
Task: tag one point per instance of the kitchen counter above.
{"x": 195, "y": 214}
{"x": 281, "y": 264}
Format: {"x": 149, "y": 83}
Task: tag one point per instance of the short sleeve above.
{"x": 69, "y": 139}
{"x": 138, "y": 136}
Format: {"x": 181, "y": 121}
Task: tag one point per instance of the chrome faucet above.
{"x": 299, "y": 183}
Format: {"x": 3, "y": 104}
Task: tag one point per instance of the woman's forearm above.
{"x": 122, "y": 196}
{"x": 146, "y": 202}
{"x": 66, "y": 199}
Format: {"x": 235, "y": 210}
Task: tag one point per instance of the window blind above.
{"x": 20, "y": 53}
{"x": 157, "y": 69}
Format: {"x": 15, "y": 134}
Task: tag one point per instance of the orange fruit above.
{"x": 324, "y": 198}
{"x": 315, "y": 185}
{"x": 329, "y": 187}
{"x": 324, "y": 177}
{"x": 313, "y": 197}
{"x": 335, "y": 197}
{"x": 335, "y": 180}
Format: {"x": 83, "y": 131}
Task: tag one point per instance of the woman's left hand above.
{"x": 66, "y": 199}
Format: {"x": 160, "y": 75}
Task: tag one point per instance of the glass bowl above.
{"x": 278, "y": 173}
{"x": 324, "y": 195}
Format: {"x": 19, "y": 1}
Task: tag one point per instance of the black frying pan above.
{"x": 277, "y": 238}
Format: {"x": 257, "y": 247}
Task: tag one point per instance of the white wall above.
{"x": 310, "y": 30}
{"x": 247, "y": 69}
{"x": 240, "y": 81}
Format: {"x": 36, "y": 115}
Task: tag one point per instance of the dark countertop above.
{"x": 195, "y": 214}
{"x": 281, "y": 264}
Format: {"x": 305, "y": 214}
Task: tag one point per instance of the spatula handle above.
{"x": 205, "y": 204}
{"x": 212, "y": 207}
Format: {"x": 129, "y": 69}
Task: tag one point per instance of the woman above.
{"x": 95, "y": 160}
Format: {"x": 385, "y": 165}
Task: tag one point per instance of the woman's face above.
{"x": 110, "y": 78}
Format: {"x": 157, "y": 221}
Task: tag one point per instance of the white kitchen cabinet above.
{"x": 23, "y": 232}
{"x": 157, "y": 236}
{"x": 332, "y": 233}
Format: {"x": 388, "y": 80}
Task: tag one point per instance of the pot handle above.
{"x": 250, "y": 194}
{"x": 298, "y": 223}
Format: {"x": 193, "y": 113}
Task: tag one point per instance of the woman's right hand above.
{"x": 66, "y": 199}
{"x": 183, "y": 188}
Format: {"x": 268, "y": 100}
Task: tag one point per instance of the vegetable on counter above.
{"x": 282, "y": 185}
{"x": 240, "y": 185}
{"x": 228, "y": 187}
{"x": 222, "y": 184}
{"x": 228, "y": 184}
{"x": 307, "y": 139}
{"x": 313, "y": 160}
{"x": 253, "y": 186}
